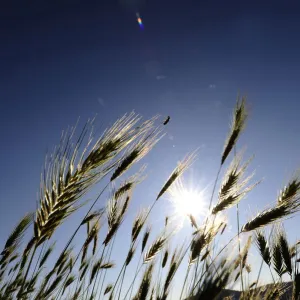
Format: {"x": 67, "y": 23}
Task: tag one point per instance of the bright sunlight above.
{"x": 187, "y": 200}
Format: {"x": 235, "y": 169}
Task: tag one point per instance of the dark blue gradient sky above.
{"x": 63, "y": 59}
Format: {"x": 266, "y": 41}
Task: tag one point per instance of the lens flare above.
{"x": 139, "y": 20}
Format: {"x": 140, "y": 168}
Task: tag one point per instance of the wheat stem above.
{"x": 27, "y": 270}
{"x": 40, "y": 255}
{"x": 184, "y": 282}
{"x": 238, "y": 230}
{"x": 98, "y": 271}
{"x": 206, "y": 220}
{"x": 135, "y": 275}
{"x": 122, "y": 282}
{"x": 109, "y": 255}
{"x": 131, "y": 285}
{"x": 90, "y": 209}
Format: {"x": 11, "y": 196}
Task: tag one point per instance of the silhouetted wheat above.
{"x": 79, "y": 272}
{"x": 238, "y": 124}
{"x": 263, "y": 247}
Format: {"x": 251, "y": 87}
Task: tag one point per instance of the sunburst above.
{"x": 187, "y": 200}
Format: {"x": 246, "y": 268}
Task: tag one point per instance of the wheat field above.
{"x": 28, "y": 271}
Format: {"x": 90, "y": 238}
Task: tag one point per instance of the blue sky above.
{"x": 63, "y": 59}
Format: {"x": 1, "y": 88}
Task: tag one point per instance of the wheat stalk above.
{"x": 14, "y": 240}
{"x": 277, "y": 256}
{"x": 263, "y": 247}
{"x": 165, "y": 258}
{"x": 238, "y": 124}
{"x": 138, "y": 225}
{"x": 271, "y": 215}
{"x": 233, "y": 186}
{"x": 156, "y": 247}
{"x": 116, "y": 214}
{"x": 65, "y": 182}
{"x": 145, "y": 284}
{"x": 178, "y": 171}
{"x": 285, "y": 251}
{"x": 136, "y": 153}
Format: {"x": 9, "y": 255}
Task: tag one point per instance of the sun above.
{"x": 187, "y": 200}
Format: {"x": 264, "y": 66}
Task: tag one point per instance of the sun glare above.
{"x": 187, "y": 200}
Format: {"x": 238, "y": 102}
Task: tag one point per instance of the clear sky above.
{"x": 63, "y": 59}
